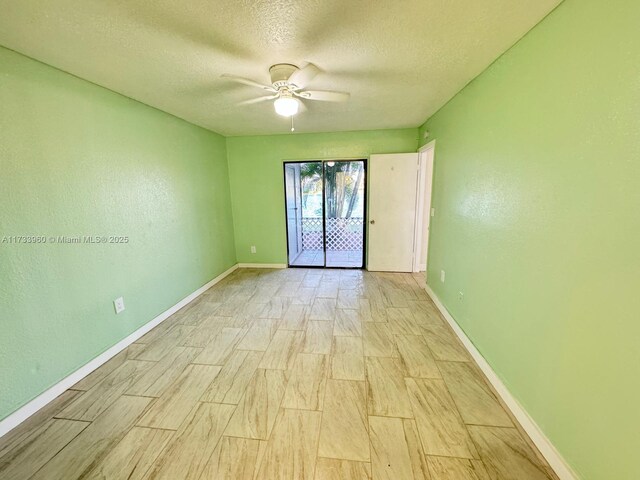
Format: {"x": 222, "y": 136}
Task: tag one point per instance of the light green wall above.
{"x": 257, "y": 185}
{"x": 537, "y": 198}
{"x": 76, "y": 159}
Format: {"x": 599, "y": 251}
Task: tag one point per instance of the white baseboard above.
{"x": 547, "y": 449}
{"x": 262, "y": 265}
{"x": 24, "y": 412}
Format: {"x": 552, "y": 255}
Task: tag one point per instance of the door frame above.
{"x": 426, "y": 162}
{"x": 322, "y": 161}
{"x": 298, "y": 208}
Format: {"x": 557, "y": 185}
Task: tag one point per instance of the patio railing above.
{"x": 342, "y": 233}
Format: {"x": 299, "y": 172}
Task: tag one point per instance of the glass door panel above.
{"x": 344, "y": 185}
{"x": 303, "y": 194}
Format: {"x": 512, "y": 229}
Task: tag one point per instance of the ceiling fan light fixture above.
{"x": 286, "y": 106}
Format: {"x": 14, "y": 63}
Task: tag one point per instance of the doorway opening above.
{"x": 325, "y": 205}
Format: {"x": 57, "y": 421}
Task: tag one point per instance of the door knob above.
{"x": 372, "y": 222}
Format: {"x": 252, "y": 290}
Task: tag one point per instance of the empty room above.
{"x": 319, "y": 239}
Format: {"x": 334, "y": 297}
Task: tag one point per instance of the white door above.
{"x": 294, "y": 231}
{"x": 393, "y": 182}
{"x": 423, "y": 213}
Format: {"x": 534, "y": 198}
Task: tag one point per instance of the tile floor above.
{"x": 335, "y": 258}
{"x": 283, "y": 374}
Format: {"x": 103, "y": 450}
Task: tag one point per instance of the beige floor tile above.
{"x": 160, "y": 330}
{"x": 193, "y": 444}
{"x": 264, "y": 293}
{"x": 443, "y": 343}
{"x": 231, "y": 383}
{"x": 441, "y": 429}
{"x": 200, "y": 312}
{"x": 443, "y": 468}
{"x": 416, "y": 452}
{"x": 318, "y": 337}
{"x": 304, "y": 296}
{"x": 327, "y": 289}
{"x": 258, "y": 337}
{"x": 347, "y": 359}
{"x": 90, "y": 446}
{"x": 95, "y": 401}
{"x": 364, "y": 309}
{"x": 311, "y": 281}
{"x": 104, "y": 370}
{"x": 344, "y": 428}
{"x": 306, "y": 383}
{"x": 282, "y": 350}
{"x": 394, "y": 297}
{"x": 26, "y": 457}
{"x": 416, "y": 356}
{"x": 387, "y": 393}
{"x": 347, "y": 346}
{"x": 323, "y": 309}
{"x": 402, "y": 322}
{"x": 349, "y": 282}
{"x": 233, "y": 307}
{"x": 157, "y": 378}
{"x": 132, "y": 457}
{"x": 23, "y": 432}
{"x": 275, "y": 308}
{"x": 295, "y": 318}
{"x": 206, "y": 331}
{"x": 154, "y": 351}
{"x": 258, "y": 408}
{"x": 218, "y": 350}
{"x": 506, "y": 455}
{"x": 348, "y": 299}
{"x": 347, "y": 323}
{"x": 242, "y": 320}
{"x": 174, "y": 406}
{"x": 291, "y": 451}
{"x": 288, "y": 288}
{"x": 425, "y": 312}
{"x": 336, "y": 469}
{"x": 305, "y": 388}
{"x": 378, "y": 340}
{"x": 476, "y": 403}
{"x": 377, "y": 307}
{"x": 233, "y": 459}
{"x": 390, "y": 451}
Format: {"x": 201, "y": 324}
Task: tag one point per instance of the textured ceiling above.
{"x": 400, "y": 60}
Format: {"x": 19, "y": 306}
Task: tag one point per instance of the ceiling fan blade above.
{"x": 247, "y": 81}
{"x": 301, "y": 77}
{"x": 258, "y": 100}
{"x": 324, "y": 95}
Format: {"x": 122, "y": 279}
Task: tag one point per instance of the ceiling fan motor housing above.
{"x": 280, "y": 74}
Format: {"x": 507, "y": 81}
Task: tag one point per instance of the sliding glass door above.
{"x": 344, "y": 213}
{"x": 325, "y": 210}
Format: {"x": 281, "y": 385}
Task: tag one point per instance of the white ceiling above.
{"x": 401, "y": 60}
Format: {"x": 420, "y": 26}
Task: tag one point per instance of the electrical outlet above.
{"x": 433, "y": 212}
{"x": 253, "y": 249}
{"x": 118, "y": 304}
{"x": 442, "y": 276}
{"x": 461, "y": 296}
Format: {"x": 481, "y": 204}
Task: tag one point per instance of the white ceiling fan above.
{"x": 287, "y": 86}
